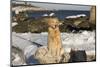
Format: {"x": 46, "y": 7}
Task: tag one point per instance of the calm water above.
{"x": 60, "y": 14}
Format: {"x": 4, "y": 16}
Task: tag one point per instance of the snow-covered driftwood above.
{"x": 25, "y": 45}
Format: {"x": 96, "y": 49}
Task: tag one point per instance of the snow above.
{"x": 25, "y": 45}
{"x": 79, "y": 41}
{"x": 14, "y": 24}
{"x": 76, "y": 16}
{"x": 85, "y": 40}
{"x": 71, "y": 17}
{"x": 17, "y": 60}
{"x": 44, "y": 15}
{"x": 51, "y": 14}
{"x": 83, "y": 15}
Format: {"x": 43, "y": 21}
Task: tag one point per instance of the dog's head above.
{"x": 52, "y": 22}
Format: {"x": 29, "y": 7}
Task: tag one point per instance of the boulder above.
{"x": 78, "y": 56}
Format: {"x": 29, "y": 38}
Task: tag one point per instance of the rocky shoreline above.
{"x": 29, "y": 34}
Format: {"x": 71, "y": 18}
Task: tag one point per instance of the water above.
{"x": 61, "y": 14}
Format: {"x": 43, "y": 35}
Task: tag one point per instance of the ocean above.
{"x": 61, "y": 14}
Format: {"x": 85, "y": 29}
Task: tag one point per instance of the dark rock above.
{"x": 78, "y": 56}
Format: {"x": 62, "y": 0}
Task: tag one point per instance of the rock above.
{"x": 78, "y": 56}
{"x": 44, "y": 57}
{"x": 84, "y": 25}
{"x": 17, "y": 57}
{"x": 91, "y": 58}
{"x": 91, "y": 55}
{"x": 65, "y": 57}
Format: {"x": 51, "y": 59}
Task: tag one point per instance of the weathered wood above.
{"x": 93, "y": 15}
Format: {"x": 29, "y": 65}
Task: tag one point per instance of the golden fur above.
{"x": 53, "y": 52}
{"x": 54, "y": 38}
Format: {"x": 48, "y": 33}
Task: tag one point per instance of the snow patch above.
{"x": 14, "y": 24}
{"x": 76, "y": 16}
{"x": 85, "y": 40}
